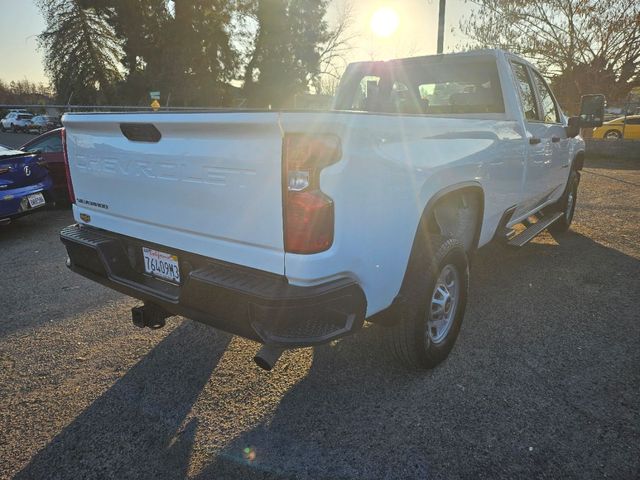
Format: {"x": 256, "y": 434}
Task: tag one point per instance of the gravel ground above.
{"x": 544, "y": 381}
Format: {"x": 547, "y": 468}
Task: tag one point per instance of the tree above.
{"x": 82, "y": 52}
{"x": 287, "y": 50}
{"x": 200, "y": 57}
{"x": 334, "y": 51}
{"x": 119, "y": 50}
{"x": 141, "y": 27}
{"x": 586, "y": 46}
{"x": 24, "y": 92}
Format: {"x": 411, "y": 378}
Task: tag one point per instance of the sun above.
{"x": 384, "y": 22}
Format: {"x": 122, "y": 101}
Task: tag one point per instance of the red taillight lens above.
{"x": 72, "y": 196}
{"x": 309, "y": 222}
{"x": 309, "y": 217}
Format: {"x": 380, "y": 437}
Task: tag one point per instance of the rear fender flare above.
{"x": 424, "y": 228}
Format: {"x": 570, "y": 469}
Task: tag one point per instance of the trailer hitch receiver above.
{"x": 149, "y": 315}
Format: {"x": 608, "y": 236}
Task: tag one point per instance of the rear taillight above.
{"x": 72, "y": 196}
{"x": 308, "y": 212}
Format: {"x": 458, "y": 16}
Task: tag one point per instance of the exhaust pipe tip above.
{"x": 267, "y": 357}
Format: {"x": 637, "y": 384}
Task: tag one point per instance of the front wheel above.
{"x": 567, "y": 205}
{"x": 433, "y": 305}
{"x": 613, "y": 135}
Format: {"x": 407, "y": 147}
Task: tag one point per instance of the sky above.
{"x": 21, "y": 22}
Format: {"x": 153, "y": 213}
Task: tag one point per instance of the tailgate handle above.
{"x": 140, "y": 132}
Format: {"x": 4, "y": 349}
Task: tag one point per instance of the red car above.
{"x": 49, "y": 146}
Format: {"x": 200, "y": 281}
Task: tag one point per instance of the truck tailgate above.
{"x": 212, "y": 184}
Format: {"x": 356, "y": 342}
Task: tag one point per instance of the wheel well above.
{"x": 440, "y": 214}
{"x": 457, "y": 214}
{"x": 578, "y": 162}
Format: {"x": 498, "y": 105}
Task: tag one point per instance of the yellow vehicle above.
{"x": 615, "y": 129}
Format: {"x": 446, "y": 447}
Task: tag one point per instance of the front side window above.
{"x": 549, "y": 109}
{"x": 525, "y": 89}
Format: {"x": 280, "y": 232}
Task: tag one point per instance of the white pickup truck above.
{"x": 292, "y": 228}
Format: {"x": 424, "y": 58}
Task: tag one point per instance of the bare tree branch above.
{"x": 587, "y": 46}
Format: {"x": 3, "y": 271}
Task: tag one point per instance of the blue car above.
{"x": 25, "y": 184}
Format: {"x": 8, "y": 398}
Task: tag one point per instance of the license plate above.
{"x": 161, "y": 264}
{"x": 36, "y": 200}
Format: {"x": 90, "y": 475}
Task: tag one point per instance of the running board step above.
{"x": 534, "y": 230}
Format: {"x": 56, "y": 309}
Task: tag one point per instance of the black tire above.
{"x": 408, "y": 339}
{"x": 567, "y": 204}
{"x": 612, "y": 135}
{"x": 14, "y": 128}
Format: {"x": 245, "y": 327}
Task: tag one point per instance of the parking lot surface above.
{"x": 14, "y": 140}
{"x": 544, "y": 381}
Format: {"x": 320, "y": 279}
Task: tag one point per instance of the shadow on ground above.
{"x": 543, "y": 382}
{"x": 36, "y": 287}
{"x": 136, "y": 429}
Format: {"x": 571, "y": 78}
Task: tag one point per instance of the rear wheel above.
{"x": 433, "y": 306}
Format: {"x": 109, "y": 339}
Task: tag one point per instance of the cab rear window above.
{"x": 424, "y": 86}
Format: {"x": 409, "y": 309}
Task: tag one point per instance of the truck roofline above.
{"x": 483, "y": 52}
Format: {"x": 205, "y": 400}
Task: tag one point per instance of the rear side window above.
{"x": 24, "y": 117}
{"x": 50, "y": 144}
{"x": 525, "y": 90}
{"x": 549, "y": 108}
{"x": 426, "y": 87}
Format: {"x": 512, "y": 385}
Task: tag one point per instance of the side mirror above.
{"x": 592, "y": 111}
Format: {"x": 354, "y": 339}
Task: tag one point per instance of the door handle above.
{"x": 534, "y": 141}
{"x": 555, "y": 139}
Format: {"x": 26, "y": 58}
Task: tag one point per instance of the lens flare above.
{"x": 249, "y": 454}
{"x": 384, "y": 22}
